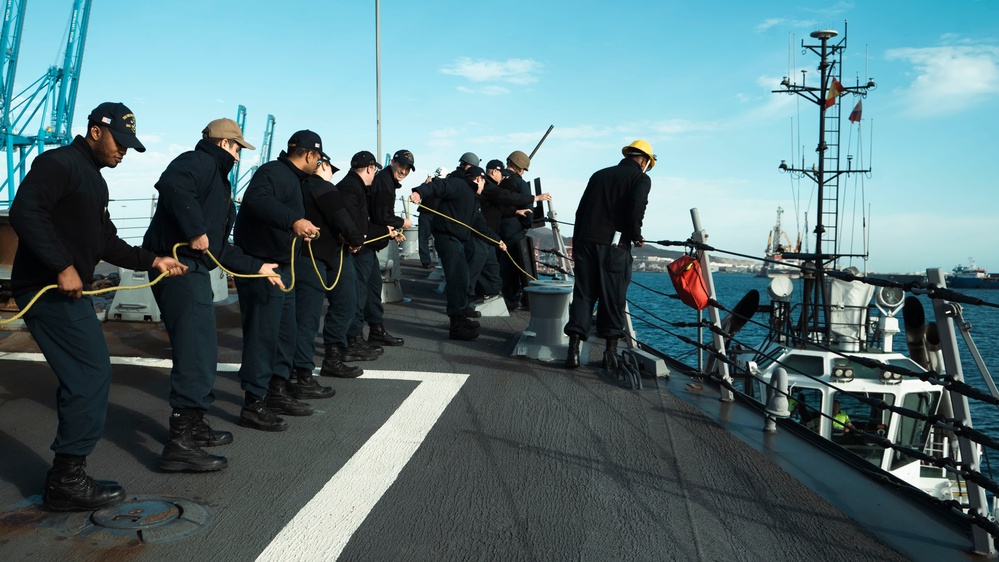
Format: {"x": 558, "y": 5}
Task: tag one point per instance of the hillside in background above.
{"x": 652, "y": 257}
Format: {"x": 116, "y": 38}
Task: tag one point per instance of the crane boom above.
{"x": 53, "y": 96}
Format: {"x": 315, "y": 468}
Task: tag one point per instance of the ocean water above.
{"x": 655, "y": 318}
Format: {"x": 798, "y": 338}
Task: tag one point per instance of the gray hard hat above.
{"x": 469, "y": 158}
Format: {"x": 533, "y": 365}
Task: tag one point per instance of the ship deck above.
{"x": 450, "y": 450}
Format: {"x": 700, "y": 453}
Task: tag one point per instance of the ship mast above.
{"x": 813, "y": 324}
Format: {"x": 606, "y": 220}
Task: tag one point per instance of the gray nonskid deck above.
{"x": 525, "y": 461}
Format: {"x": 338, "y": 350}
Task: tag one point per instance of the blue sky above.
{"x": 692, "y": 78}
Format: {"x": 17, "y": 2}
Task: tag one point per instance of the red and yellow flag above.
{"x": 835, "y": 89}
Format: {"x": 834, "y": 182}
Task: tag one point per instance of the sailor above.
{"x": 424, "y": 228}
{"x": 60, "y": 216}
{"x": 381, "y": 207}
{"x": 195, "y": 206}
{"x": 483, "y": 266}
{"x": 466, "y": 161}
{"x": 498, "y": 203}
{"x": 457, "y": 201}
{"x": 513, "y": 229}
{"x": 334, "y": 258}
{"x": 608, "y": 223}
{"x": 354, "y": 188}
{"x": 270, "y": 217}
{"x": 311, "y": 271}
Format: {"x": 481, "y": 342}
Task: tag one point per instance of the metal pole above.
{"x": 700, "y": 236}
{"x": 535, "y": 151}
{"x": 944, "y": 312}
{"x": 378, "y": 73}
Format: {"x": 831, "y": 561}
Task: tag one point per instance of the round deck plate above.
{"x": 140, "y": 519}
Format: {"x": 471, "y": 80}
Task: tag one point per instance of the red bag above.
{"x": 685, "y": 273}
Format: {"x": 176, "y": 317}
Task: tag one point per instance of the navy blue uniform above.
{"x": 195, "y": 198}
{"x": 271, "y": 204}
{"x": 61, "y": 219}
{"x": 457, "y": 199}
{"x": 498, "y": 204}
{"x": 325, "y": 208}
{"x": 614, "y": 201}
{"x": 513, "y": 229}
{"x": 381, "y": 207}
{"x": 367, "y": 272}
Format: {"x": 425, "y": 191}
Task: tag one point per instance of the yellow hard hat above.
{"x": 643, "y": 147}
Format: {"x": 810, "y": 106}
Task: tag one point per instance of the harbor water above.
{"x": 655, "y": 317}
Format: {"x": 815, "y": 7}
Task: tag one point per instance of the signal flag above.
{"x": 855, "y": 114}
{"x": 835, "y": 89}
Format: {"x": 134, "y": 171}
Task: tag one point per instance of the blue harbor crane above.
{"x": 239, "y": 182}
{"x": 41, "y": 114}
{"x": 241, "y": 121}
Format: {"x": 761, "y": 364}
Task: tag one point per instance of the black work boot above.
{"x": 610, "y": 354}
{"x": 472, "y": 313}
{"x": 256, "y": 415}
{"x": 572, "y": 357}
{"x": 205, "y": 436}
{"x": 378, "y": 335}
{"x": 333, "y": 365}
{"x": 302, "y": 385}
{"x": 181, "y": 452}
{"x": 356, "y": 351}
{"x": 69, "y": 488}
{"x": 463, "y": 329}
{"x": 280, "y": 402}
{"x": 365, "y": 344}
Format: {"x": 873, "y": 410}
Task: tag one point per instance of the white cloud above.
{"x": 949, "y": 79}
{"x": 671, "y": 127}
{"x": 786, "y": 23}
{"x": 485, "y": 90}
{"x": 511, "y": 71}
{"x": 443, "y": 137}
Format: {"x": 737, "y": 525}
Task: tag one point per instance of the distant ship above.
{"x": 774, "y": 253}
{"x": 972, "y": 277}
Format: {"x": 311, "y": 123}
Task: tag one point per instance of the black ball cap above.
{"x": 120, "y": 120}
{"x": 363, "y": 159}
{"x": 309, "y": 140}
{"x": 405, "y": 157}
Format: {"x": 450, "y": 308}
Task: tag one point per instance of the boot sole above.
{"x": 70, "y": 506}
{"x": 463, "y": 338}
{"x": 213, "y": 443}
{"x": 294, "y": 413}
{"x": 179, "y": 466}
{"x": 388, "y": 343}
{"x": 312, "y": 395}
{"x": 342, "y": 375}
{"x": 275, "y": 427}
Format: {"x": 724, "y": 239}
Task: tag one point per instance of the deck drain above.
{"x": 141, "y": 519}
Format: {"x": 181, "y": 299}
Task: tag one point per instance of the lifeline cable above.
{"x": 917, "y": 287}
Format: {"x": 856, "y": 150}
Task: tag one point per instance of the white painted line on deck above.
{"x": 115, "y": 360}
{"x": 321, "y": 529}
{"x": 338, "y": 510}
